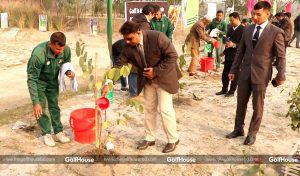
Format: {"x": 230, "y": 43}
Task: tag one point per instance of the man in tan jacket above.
{"x": 196, "y": 34}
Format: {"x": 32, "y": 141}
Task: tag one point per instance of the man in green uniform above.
{"x": 220, "y": 24}
{"x": 161, "y": 22}
{"x": 42, "y": 80}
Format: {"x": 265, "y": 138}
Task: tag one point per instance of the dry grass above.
{"x": 22, "y": 16}
{"x": 24, "y": 112}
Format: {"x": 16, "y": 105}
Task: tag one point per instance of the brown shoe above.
{"x": 192, "y": 73}
{"x": 235, "y": 133}
{"x": 170, "y": 147}
{"x": 250, "y": 140}
{"x": 144, "y": 145}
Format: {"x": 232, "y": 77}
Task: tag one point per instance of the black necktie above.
{"x": 255, "y": 37}
{"x": 140, "y": 49}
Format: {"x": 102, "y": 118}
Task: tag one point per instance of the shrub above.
{"x": 294, "y": 108}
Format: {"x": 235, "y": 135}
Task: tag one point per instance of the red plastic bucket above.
{"x": 207, "y": 63}
{"x": 85, "y": 137}
{"x": 82, "y": 121}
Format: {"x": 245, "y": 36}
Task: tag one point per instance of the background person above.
{"x": 196, "y": 34}
{"x": 221, "y": 25}
{"x": 233, "y": 38}
{"x": 117, "y": 48}
{"x": 161, "y": 22}
{"x": 143, "y": 19}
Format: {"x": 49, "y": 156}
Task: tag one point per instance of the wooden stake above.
{"x": 98, "y": 143}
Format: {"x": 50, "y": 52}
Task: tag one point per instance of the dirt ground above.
{"x": 202, "y": 123}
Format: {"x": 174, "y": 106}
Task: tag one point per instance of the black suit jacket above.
{"x": 160, "y": 54}
{"x": 234, "y": 36}
{"x": 256, "y": 62}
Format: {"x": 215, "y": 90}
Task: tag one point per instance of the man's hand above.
{"x": 229, "y": 44}
{"x": 279, "y": 82}
{"x": 37, "y": 111}
{"x": 231, "y": 76}
{"x": 149, "y": 73}
{"x": 70, "y": 74}
{"x": 212, "y": 40}
{"x": 105, "y": 90}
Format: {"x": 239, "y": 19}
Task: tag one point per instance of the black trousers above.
{"x": 225, "y": 79}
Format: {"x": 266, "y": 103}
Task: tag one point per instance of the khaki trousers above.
{"x": 158, "y": 101}
{"x": 194, "y": 61}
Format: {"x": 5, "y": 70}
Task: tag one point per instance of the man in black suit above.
{"x": 260, "y": 42}
{"x": 233, "y": 37}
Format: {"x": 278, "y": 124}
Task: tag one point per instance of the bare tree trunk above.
{"x": 77, "y": 17}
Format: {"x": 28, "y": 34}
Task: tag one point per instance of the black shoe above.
{"x": 235, "y": 134}
{"x": 221, "y": 92}
{"x": 124, "y": 89}
{"x": 144, "y": 145}
{"x": 229, "y": 94}
{"x": 170, "y": 147}
{"x": 250, "y": 140}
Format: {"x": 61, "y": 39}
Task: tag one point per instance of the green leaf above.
{"x": 106, "y": 125}
{"x": 81, "y": 61}
{"x": 98, "y": 85}
{"x": 85, "y": 75}
{"x": 141, "y": 108}
{"x": 84, "y": 68}
{"x": 82, "y": 49}
{"x": 252, "y": 171}
{"x": 85, "y": 56}
{"x": 91, "y": 86}
{"x": 182, "y": 85}
{"x": 127, "y": 117}
{"x": 130, "y": 67}
{"x": 122, "y": 122}
{"x": 111, "y": 73}
{"x": 77, "y": 49}
{"x": 111, "y": 86}
{"x": 122, "y": 71}
{"x": 182, "y": 62}
{"x": 116, "y": 75}
{"x": 110, "y": 137}
{"x": 129, "y": 102}
{"x": 91, "y": 78}
{"x": 90, "y": 66}
{"x": 125, "y": 70}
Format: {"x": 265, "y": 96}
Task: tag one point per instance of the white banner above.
{"x": 211, "y": 10}
{"x": 4, "y": 20}
{"x": 43, "y": 23}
